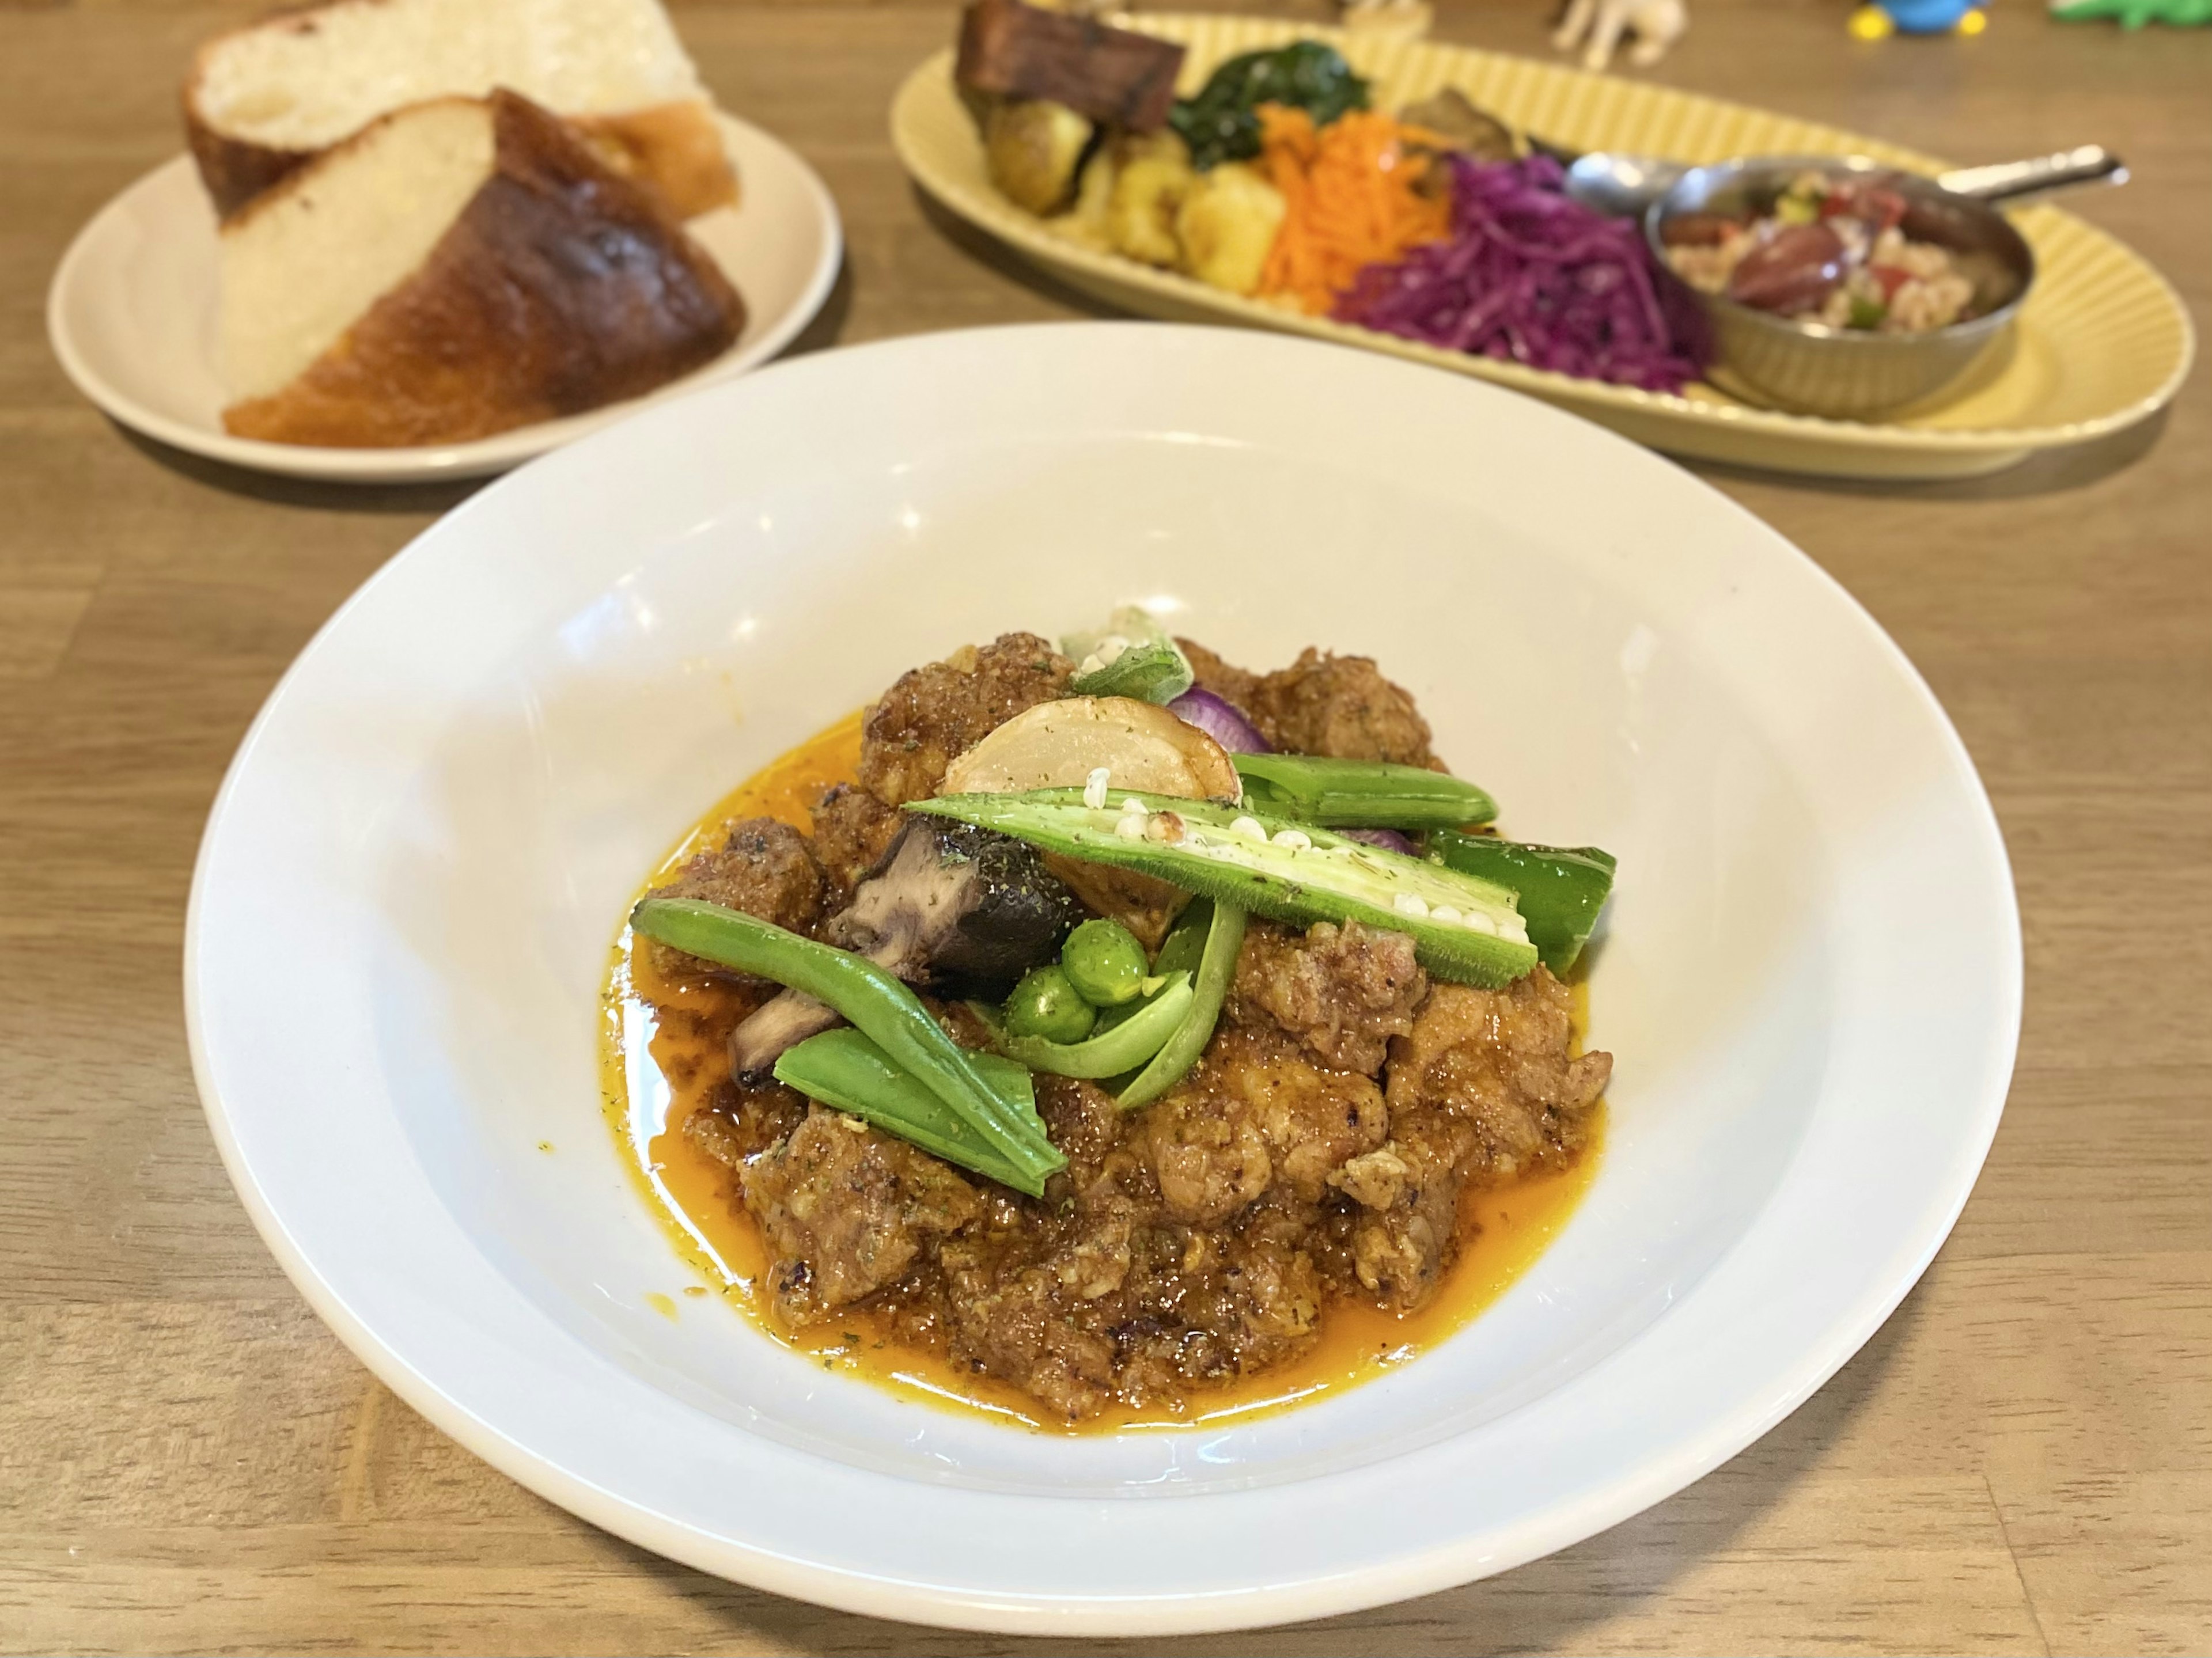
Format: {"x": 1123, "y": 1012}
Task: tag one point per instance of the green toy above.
{"x": 2133, "y": 13}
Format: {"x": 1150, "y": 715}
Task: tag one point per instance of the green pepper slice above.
{"x": 1560, "y": 889}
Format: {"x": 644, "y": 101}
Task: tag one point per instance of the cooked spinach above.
{"x": 1222, "y": 123}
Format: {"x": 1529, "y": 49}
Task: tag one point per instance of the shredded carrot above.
{"x": 1349, "y": 193}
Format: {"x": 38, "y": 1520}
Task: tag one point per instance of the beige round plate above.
{"x": 131, "y": 315}
{"x": 2102, "y": 343}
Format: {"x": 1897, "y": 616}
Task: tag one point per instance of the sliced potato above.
{"x": 1140, "y": 745}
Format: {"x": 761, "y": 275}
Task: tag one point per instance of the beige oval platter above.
{"x": 2102, "y": 343}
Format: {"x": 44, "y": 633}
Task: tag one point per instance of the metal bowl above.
{"x": 1844, "y": 373}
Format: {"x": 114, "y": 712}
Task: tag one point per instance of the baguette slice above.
{"x": 461, "y": 267}
{"x": 261, "y": 101}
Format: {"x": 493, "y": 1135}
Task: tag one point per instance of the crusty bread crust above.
{"x": 674, "y": 148}
{"x": 235, "y": 170}
{"x": 562, "y": 285}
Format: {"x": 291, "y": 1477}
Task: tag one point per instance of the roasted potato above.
{"x": 1031, "y": 148}
{"x": 1086, "y": 222}
{"x": 1227, "y": 223}
{"x": 1154, "y": 175}
{"x": 1060, "y": 744}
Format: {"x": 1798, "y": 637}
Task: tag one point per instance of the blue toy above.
{"x": 1886, "y": 17}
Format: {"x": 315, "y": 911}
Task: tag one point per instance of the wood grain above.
{"x": 2021, "y": 1460}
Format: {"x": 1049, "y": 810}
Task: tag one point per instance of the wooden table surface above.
{"x": 2021, "y": 1460}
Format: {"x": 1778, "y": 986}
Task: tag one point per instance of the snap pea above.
{"x": 1222, "y": 927}
{"x": 1558, "y": 890}
{"x": 844, "y": 1069}
{"x": 1104, "y": 962}
{"x": 1127, "y": 1046}
{"x": 1462, "y": 927}
{"x": 1045, "y": 1004}
{"x": 1360, "y": 794}
{"x": 1184, "y": 948}
{"x": 873, "y": 999}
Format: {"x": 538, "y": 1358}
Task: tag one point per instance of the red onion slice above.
{"x": 1220, "y": 719}
{"x": 1388, "y": 840}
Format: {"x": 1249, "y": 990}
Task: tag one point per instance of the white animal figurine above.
{"x": 1596, "y": 26}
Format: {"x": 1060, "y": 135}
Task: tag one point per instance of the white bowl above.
{"x": 132, "y": 316}
{"x": 1810, "y": 976}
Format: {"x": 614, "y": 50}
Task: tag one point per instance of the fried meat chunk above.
{"x": 846, "y": 1211}
{"x": 936, "y": 713}
{"x": 1500, "y": 1061}
{"x": 1484, "y": 1087}
{"x": 1253, "y": 1115}
{"x": 763, "y": 867}
{"x": 1342, "y": 707}
{"x": 1343, "y": 992}
{"x": 852, "y": 830}
{"x": 1338, "y": 705}
{"x": 1225, "y": 680}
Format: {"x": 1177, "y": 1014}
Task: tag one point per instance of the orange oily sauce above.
{"x": 654, "y": 1077}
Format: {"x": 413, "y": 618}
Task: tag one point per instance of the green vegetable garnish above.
{"x": 1046, "y": 1004}
{"x": 1127, "y": 1046}
{"x": 1359, "y": 793}
{"x": 1222, "y": 123}
{"x": 1104, "y": 962}
{"x": 874, "y": 1000}
{"x": 1463, "y": 928}
{"x": 1216, "y": 932}
{"x": 1560, "y": 889}
{"x": 1149, "y": 672}
{"x": 1131, "y": 656}
{"x": 847, "y": 1070}
{"x": 1866, "y": 312}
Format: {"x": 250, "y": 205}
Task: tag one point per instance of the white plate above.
{"x": 405, "y": 899}
{"x": 132, "y": 311}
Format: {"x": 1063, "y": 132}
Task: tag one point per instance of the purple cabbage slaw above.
{"x": 1530, "y": 276}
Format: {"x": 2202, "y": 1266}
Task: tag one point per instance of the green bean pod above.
{"x": 1127, "y": 1046}
{"x": 846, "y": 1071}
{"x": 1360, "y": 794}
{"x": 872, "y": 999}
{"x": 1217, "y": 970}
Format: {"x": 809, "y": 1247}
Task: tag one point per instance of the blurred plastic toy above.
{"x": 2133, "y": 13}
{"x": 1596, "y": 26}
{"x": 1886, "y": 17}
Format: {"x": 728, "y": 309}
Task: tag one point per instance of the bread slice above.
{"x": 261, "y": 101}
{"x": 461, "y": 267}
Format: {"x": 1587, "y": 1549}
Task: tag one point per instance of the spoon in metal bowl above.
{"x": 1621, "y": 185}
